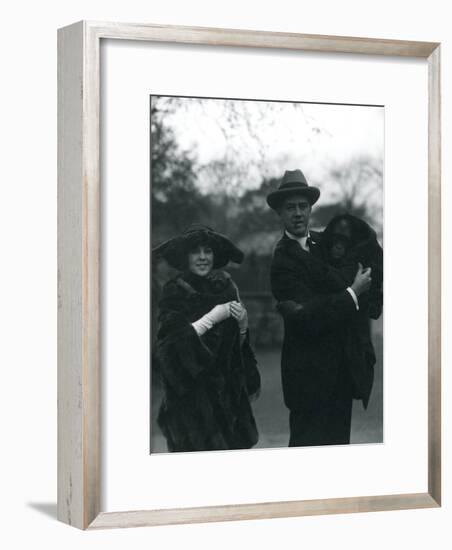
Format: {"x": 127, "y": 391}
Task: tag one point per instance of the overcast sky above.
{"x": 266, "y": 138}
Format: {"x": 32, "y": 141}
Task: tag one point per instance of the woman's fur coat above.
{"x": 208, "y": 379}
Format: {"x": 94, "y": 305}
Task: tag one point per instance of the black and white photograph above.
{"x": 267, "y": 274}
{"x": 213, "y": 338}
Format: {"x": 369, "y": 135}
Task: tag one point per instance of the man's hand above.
{"x": 362, "y": 280}
{"x": 288, "y": 307}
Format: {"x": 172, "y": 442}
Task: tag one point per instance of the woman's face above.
{"x": 200, "y": 260}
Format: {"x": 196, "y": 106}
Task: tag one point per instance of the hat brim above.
{"x": 175, "y": 251}
{"x": 275, "y": 199}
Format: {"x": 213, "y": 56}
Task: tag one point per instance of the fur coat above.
{"x": 208, "y": 380}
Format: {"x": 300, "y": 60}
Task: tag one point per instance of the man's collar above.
{"x": 300, "y": 240}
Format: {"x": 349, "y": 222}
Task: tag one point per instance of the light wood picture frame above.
{"x": 79, "y": 382}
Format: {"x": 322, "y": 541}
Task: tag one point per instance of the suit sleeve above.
{"x": 376, "y": 288}
{"x": 333, "y": 279}
{"x": 315, "y": 314}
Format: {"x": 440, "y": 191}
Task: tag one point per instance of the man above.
{"x": 318, "y": 384}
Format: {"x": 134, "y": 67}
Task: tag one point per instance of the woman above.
{"x": 208, "y": 368}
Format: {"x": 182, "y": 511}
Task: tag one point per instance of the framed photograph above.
{"x": 249, "y": 275}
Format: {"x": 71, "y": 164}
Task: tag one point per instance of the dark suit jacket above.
{"x": 317, "y": 338}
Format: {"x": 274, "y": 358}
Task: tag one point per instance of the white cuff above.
{"x": 353, "y": 295}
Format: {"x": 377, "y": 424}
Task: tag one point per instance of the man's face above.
{"x": 294, "y": 213}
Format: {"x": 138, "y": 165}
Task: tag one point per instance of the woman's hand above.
{"x": 220, "y": 312}
{"x": 240, "y": 314}
{"x": 209, "y": 320}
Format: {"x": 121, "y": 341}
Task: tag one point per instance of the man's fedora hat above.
{"x": 293, "y": 183}
{"x": 175, "y": 251}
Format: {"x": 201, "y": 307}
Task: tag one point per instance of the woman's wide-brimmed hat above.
{"x": 175, "y": 251}
{"x": 293, "y": 183}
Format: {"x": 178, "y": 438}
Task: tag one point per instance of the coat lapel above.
{"x": 294, "y": 249}
{"x": 314, "y": 247}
